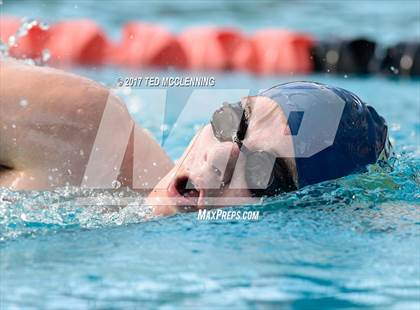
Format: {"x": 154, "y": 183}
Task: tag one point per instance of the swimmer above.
{"x": 285, "y": 138}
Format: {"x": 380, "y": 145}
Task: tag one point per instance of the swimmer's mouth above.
{"x": 186, "y": 188}
{"x": 185, "y": 194}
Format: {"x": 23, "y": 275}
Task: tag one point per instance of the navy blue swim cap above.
{"x": 334, "y": 132}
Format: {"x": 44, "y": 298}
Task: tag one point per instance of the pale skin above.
{"x": 205, "y": 155}
{"x": 49, "y": 125}
{"x": 49, "y": 122}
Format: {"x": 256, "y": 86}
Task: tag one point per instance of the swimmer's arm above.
{"x": 49, "y": 121}
{"x": 38, "y": 103}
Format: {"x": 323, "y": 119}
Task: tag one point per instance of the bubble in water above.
{"x": 23, "y": 103}
{"x": 116, "y": 184}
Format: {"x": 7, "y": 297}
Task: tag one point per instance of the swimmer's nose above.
{"x": 207, "y": 177}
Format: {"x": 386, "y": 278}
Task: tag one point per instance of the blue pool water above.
{"x": 350, "y": 243}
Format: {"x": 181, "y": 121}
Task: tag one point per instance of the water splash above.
{"x": 28, "y": 214}
{"x": 32, "y": 213}
{"x": 23, "y": 30}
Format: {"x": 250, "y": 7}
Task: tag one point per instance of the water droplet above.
{"x": 29, "y": 61}
{"x": 44, "y": 26}
{"x": 23, "y": 102}
{"x": 45, "y": 56}
{"x": 164, "y": 127}
{"x": 154, "y": 164}
{"x": 395, "y": 127}
{"x": 13, "y": 126}
{"x": 116, "y": 184}
{"x": 12, "y": 41}
{"x": 394, "y": 70}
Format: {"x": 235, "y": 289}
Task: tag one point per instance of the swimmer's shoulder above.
{"x": 47, "y": 78}
{"x": 48, "y": 89}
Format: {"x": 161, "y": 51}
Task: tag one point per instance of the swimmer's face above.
{"x": 212, "y": 173}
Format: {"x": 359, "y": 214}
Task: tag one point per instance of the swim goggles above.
{"x": 265, "y": 174}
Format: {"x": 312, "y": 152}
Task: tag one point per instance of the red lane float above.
{"x": 210, "y": 48}
{"x": 77, "y": 41}
{"x": 240, "y": 53}
{"x": 147, "y": 45}
{"x": 282, "y": 51}
{"x": 143, "y": 44}
{"x": 30, "y": 45}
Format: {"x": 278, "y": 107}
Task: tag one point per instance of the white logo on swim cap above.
{"x": 322, "y": 110}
